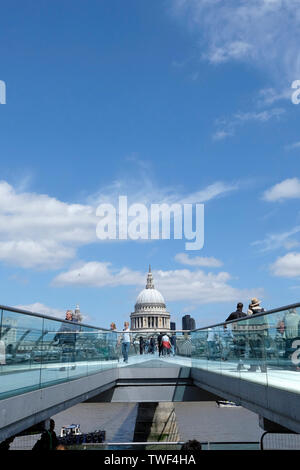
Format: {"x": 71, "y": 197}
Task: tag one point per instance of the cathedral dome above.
{"x": 150, "y": 296}
{"x": 150, "y": 309}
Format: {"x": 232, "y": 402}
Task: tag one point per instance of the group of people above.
{"x": 253, "y": 309}
{"x": 239, "y": 339}
{"x": 147, "y": 346}
{"x": 165, "y": 344}
{"x": 124, "y": 340}
{"x": 252, "y": 339}
{"x": 255, "y": 339}
{"x": 66, "y": 339}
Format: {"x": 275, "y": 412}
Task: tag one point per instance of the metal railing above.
{"x": 257, "y": 315}
{"x": 55, "y": 350}
{"x": 267, "y": 342}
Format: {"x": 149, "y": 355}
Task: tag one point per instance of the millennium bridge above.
{"x": 253, "y": 361}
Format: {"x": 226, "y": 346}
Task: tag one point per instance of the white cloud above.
{"x": 278, "y": 240}
{"x": 261, "y": 116}
{"x": 198, "y": 286}
{"x": 38, "y": 307}
{"x": 269, "y": 96}
{"x": 265, "y": 33}
{"x": 211, "y": 262}
{"x": 97, "y": 274}
{"x": 39, "y": 254}
{"x": 295, "y": 145}
{"x": 234, "y": 50}
{"x": 223, "y": 134}
{"x": 287, "y": 189}
{"x": 39, "y": 231}
{"x": 42, "y": 232}
{"x": 207, "y": 194}
{"x": 287, "y": 266}
{"x": 146, "y": 192}
{"x": 177, "y": 285}
{"x": 227, "y": 127}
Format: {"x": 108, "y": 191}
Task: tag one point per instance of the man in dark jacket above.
{"x": 159, "y": 344}
{"x": 152, "y": 345}
{"x": 239, "y": 336}
{"x": 238, "y": 313}
{"x": 141, "y": 345}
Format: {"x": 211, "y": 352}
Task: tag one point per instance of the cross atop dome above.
{"x": 150, "y": 284}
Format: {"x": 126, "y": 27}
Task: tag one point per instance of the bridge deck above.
{"x": 21, "y": 378}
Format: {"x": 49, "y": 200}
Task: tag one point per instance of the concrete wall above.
{"x": 276, "y": 405}
{"x": 22, "y": 411}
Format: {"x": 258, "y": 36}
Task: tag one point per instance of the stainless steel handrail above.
{"x": 39, "y": 315}
{"x": 48, "y": 317}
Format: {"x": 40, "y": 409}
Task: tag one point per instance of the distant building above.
{"x": 173, "y": 326}
{"x": 150, "y": 309}
{"x": 188, "y": 323}
{"x": 77, "y": 315}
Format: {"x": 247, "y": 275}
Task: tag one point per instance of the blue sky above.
{"x": 160, "y": 101}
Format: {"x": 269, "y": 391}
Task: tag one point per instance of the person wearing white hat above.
{"x": 257, "y": 333}
{"x": 255, "y": 307}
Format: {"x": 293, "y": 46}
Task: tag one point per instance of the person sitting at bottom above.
{"x": 192, "y": 446}
{"x": 5, "y": 445}
{"x": 48, "y": 439}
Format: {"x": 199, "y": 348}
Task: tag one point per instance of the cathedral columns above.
{"x": 150, "y": 322}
